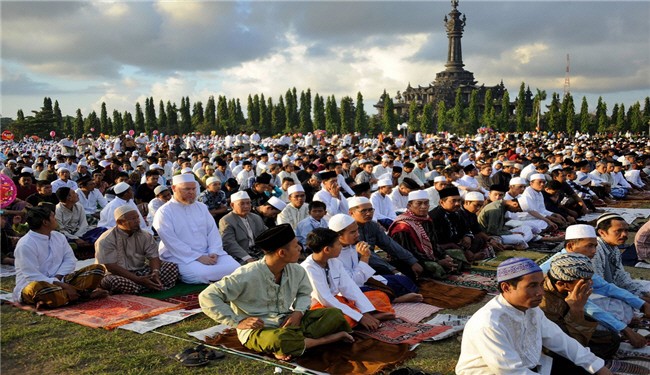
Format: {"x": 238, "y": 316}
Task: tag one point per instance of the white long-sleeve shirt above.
{"x": 59, "y": 183}
{"x": 327, "y": 285}
{"x": 72, "y": 223}
{"x": 333, "y": 205}
{"x": 535, "y": 202}
{"x": 186, "y": 232}
{"x": 383, "y": 206}
{"x": 399, "y": 201}
{"x": 91, "y": 203}
{"x": 41, "y": 258}
{"x": 292, "y": 215}
{"x": 107, "y": 218}
{"x": 500, "y": 339}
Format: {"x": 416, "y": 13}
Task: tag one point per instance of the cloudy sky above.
{"x": 119, "y": 52}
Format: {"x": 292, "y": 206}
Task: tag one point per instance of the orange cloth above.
{"x": 379, "y": 300}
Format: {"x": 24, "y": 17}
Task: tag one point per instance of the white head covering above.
{"x": 518, "y": 181}
{"x": 578, "y": 231}
{"x": 277, "y": 203}
{"x": 418, "y": 195}
{"x": 186, "y": 170}
{"x": 357, "y": 201}
{"x": 385, "y": 182}
{"x": 120, "y": 211}
{"x": 26, "y": 170}
{"x": 212, "y": 180}
{"x": 182, "y": 178}
{"x": 121, "y": 187}
{"x": 339, "y": 222}
{"x": 537, "y": 176}
{"x": 295, "y": 188}
{"x": 440, "y": 179}
{"x": 159, "y": 189}
{"x": 474, "y": 196}
{"x": 62, "y": 169}
{"x": 238, "y": 196}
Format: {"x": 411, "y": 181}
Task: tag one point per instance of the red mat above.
{"x": 398, "y": 331}
{"x": 110, "y": 312}
{"x": 188, "y": 302}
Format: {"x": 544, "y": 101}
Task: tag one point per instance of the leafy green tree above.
{"x": 185, "y": 125}
{"x": 239, "y": 115}
{"x": 520, "y": 109}
{"x": 78, "y": 125}
{"x": 504, "y": 116}
{"x": 197, "y": 116}
{"x": 646, "y": 110}
{"x": 222, "y": 115}
{"x": 291, "y": 115}
{"x": 172, "y": 118}
{"x": 127, "y": 121}
{"x": 489, "y": 116}
{"x": 210, "y": 115}
{"x": 232, "y": 117}
{"x": 389, "y": 118}
{"x": 553, "y": 114}
{"x": 635, "y": 117}
{"x": 614, "y": 116}
{"x": 472, "y": 112}
{"x": 426, "y": 120}
{"x": 117, "y": 122}
{"x": 457, "y": 114}
{"x": 58, "y": 118}
{"x": 332, "y": 118}
{"x": 601, "y": 116}
{"x": 150, "y": 122}
{"x": 139, "y": 118}
{"x": 163, "y": 125}
{"x": 347, "y": 115}
{"x": 253, "y": 112}
{"x": 441, "y": 116}
{"x": 413, "y": 123}
{"x": 540, "y": 96}
{"x": 67, "y": 125}
{"x": 306, "y": 124}
{"x": 319, "y": 113}
{"x": 279, "y": 116}
{"x": 374, "y": 125}
{"x": 585, "y": 118}
{"x": 360, "y": 116}
{"x": 104, "y": 126}
{"x": 265, "y": 116}
{"x": 621, "y": 124}
{"x": 568, "y": 114}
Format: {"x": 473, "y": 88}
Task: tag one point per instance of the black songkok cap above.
{"x": 274, "y": 238}
{"x": 449, "y": 192}
{"x": 264, "y": 178}
{"x": 360, "y": 188}
{"x": 324, "y": 176}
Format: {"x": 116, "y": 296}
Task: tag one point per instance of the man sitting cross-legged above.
{"x": 268, "y": 301}
{"x": 45, "y": 266}
{"x": 123, "y": 250}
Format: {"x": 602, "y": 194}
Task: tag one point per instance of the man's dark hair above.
{"x": 152, "y": 172}
{"x": 316, "y": 204}
{"x": 554, "y": 185}
{"x": 606, "y": 224}
{"x": 512, "y": 282}
{"x": 37, "y": 215}
{"x": 42, "y": 183}
{"x": 62, "y": 193}
{"x": 319, "y": 238}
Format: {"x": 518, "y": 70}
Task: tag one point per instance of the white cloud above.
{"x": 523, "y": 54}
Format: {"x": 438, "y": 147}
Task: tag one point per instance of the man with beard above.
{"x": 189, "y": 236}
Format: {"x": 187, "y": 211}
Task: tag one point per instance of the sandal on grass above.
{"x": 210, "y": 354}
{"x": 192, "y": 358}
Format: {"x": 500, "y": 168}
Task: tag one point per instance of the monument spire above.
{"x": 455, "y": 25}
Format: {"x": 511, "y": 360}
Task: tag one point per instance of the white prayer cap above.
{"x": 518, "y": 181}
{"x": 440, "y": 179}
{"x": 239, "y": 196}
{"x": 155, "y": 166}
{"x": 182, "y": 178}
{"x": 357, "y": 201}
{"x": 121, "y": 187}
{"x": 186, "y": 170}
{"x": 537, "y": 176}
{"x": 474, "y": 196}
{"x": 62, "y": 169}
{"x": 27, "y": 170}
{"x": 295, "y": 189}
{"x": 418, "y": 195}
{"x": 519, "y": 166}
{"x": 277, "y": 203}
{"x": 12, "y": 162}
{"x": 589, "y": 154}
{"x": 584, "y": 180}
{"x": 578, "y": 231}
{"x": 211, "y": 180}
{"x": 339, "y": 222}
{"x": 159, "y": 189}
{"x": 428, "y": 175}
{"x": 120, "y": 211}
{"x": 104, "y": 163}
{"x": 143, "y": 163}
{"x": 385, "y": 182}
{"x": 625, "y": 163}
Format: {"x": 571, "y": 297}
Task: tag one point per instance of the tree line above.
{"x": 299, "y": 113}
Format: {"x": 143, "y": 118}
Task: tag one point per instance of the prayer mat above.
{"x": 414, "y": 311}
{"x": 491, "y": 264}
{"x": 477, "y": 279}
{"x": 449, "y": 296}
{"x": 627, "y": 350}
{"x": 629, "y": 366}
{"x": 188, "y": 301}
{"x": 180, "y": 289}
{"x": 108, "y": 313}
{"x": 398, "y": 331}
{"x": 545, "y": 247}
{"x": 364, "y": 356}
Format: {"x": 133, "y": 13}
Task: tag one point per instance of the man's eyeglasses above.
{"x": 367, "y": 211}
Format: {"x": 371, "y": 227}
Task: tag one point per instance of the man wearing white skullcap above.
{"x": 131, "y": 257}
{"x": 506, "y": 335}
{"x": 268, "y": 210}
{"x": 532, "y": 202}
{"x": 473, "y": 203}
{"x": 296, "y": 210}
{"x": 123, "y": 196}
{"x": 189, "y": 235}
{"x": 516, "y": 188}
{"x": 610, "y": 306}
{"x": 439, "y": 183}
{"x": 239, "y": 229}
{"x": 63, "y": 180}
{"x": 383, "y": 203}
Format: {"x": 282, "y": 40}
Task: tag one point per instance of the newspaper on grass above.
{"x": 7, "y": 270}
{"x": 170, "y": 317}
{"x": 456, "y": 322}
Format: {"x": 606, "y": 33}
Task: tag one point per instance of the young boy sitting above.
{"x": 333, "y": 287}
{"x": 317, "y": 210}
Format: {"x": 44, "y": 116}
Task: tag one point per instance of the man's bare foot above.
{"x": 334, "y": 337}
{"x": 409, "y": 297}
{"x": 383, "y": 316}
{"x": 282, "y": 357}
{"x": 99, "y": 293}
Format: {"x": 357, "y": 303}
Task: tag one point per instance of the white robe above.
{"x": 383, "y": 206}
{"x": 292, "y": 215}
{"x": 107, "y": 218}
{"x": 188, "y": 232}
{"x": 399, "y": 201}
{"x": 333, "y": 205}
{"x": 500, "y": 339}
{"x": 94, "y": 199}
{"x": 41, "y": 258}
